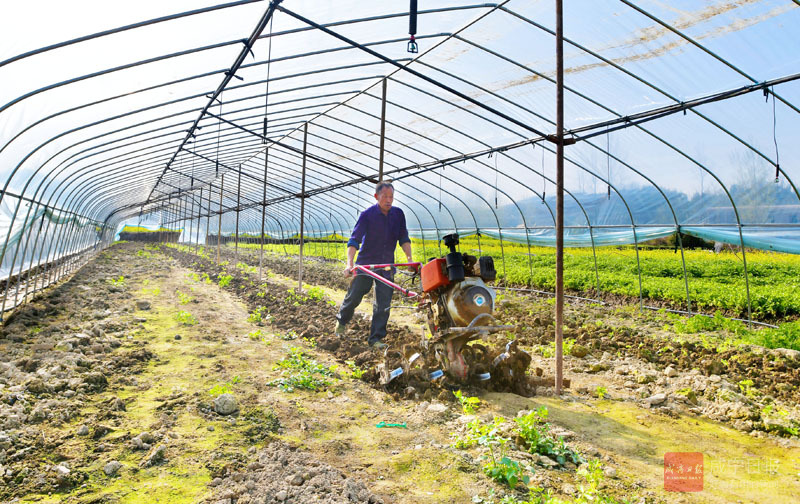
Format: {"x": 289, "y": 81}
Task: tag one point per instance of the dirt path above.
{"x": 166, "y": 343}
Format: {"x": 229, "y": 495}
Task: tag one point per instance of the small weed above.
{"x": 225, "y": 388}
{"x": 600, "y": 392}
{"x": 299, "y": 371}
{"x": 255, "y": 335}
{"x": 315, "y": 294}
{"x": 155, "y": 292}
{"x": 355, "y": 371}
{"x": 746, "y": 386}
{"x": 534, "y": 429}
{"x": 224, "y": 280}
{"x": 184, "y": 298}
{"x": 260, "y": 316}
{"x": 468, "y": 404}
{"x": 117, "y": 282}
{"x": 246, "y": 268}
{"x": 185, "y": 318}
{"x": 291, "y": 335}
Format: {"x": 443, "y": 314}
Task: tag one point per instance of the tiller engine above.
{"x": 459, "y": 308}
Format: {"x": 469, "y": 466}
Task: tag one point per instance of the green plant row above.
{"x": 715, "y": 281}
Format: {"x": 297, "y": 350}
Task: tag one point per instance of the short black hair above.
{"x": 383, "y": 184}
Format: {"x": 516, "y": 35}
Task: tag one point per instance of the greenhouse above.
{"x": 601, "y": 227}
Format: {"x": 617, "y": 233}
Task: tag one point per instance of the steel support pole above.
{"x": 219, "y": 219}
{"x": 383, "y": 132}
{"x": 197, "y": 230}
{"x": 559, "y": 194}
{"x": 238, "y": 203}
{"x": 263, "y": 217}
{"x": 208, "y": 217}
{"x": 302, "y": 210}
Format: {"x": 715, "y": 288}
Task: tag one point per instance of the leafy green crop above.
{"x": 716, "y": 281}
{"x": 299, "y": 371}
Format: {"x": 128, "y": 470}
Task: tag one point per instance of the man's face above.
{"x": 385, "y": 199}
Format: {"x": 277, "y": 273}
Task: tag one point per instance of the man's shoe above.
{"x": 379, "y": 345}
{"x": 340, "y": 328}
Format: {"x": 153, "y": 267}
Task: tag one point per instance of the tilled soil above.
{"x": 281, "y": 473}
{"x": 76, "y": 376}
{"x": 771, "y": 378}
{"x": 317, "y": 320}
{"x": 105, "y": 397}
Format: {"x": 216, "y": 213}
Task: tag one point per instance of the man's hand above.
{"x": 348, "y": 271}
{"x": 413, "y": 268}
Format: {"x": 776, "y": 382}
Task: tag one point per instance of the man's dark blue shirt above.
{"x": 376, "y": 235}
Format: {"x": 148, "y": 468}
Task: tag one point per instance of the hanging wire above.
{"x": 608, "y": 164}
{"x": 495, "y": 180}
{"x": 266, "y": 94}
{"x": 440, "y": 189}
{"x": 544, "y": 179}
{"x": 775, "y": 138}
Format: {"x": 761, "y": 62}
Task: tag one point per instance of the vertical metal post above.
{"x": 181, "y": 220}
{"x": 263, "y": 217}
{"x": 208, "y": 216}
{"x": 559, "y": 193}
{"x": 302, "y": 210}
{"x": 685, "y": 276}
{"x": 197, "y": 230}
{"x": 238, "y": 203}
{"x": 746, "y": 279}
{"x": 594, "y": 255}
{"x": 383, "y": 132}
{"x": 638, "y": 265}
{"x": 219, "y": 220}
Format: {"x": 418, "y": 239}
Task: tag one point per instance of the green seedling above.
{"x": 468, "y": 404}
{"x": 225, "y": 388}
{"x": 185, "y": 318}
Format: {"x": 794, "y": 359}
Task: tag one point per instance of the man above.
{"x": 377, "y": 232}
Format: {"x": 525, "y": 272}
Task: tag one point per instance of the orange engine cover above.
{"x": 434, "y": 275}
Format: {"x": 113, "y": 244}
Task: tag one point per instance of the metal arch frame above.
{"x": 200, "y": 48}
{"x": 477, "y": 227}
{"x": 411, "y": 209}
{"x": 662, "y": 141}
{"x": 51, "y": 158}
{"x": 654, "y": 87}
{"x": 703, "y": 48}
{"x": 599, "y": 177}
{"x": 364, "y": 177}
{"x": 729, "y": 197}
{"x": 163, "y": 104}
